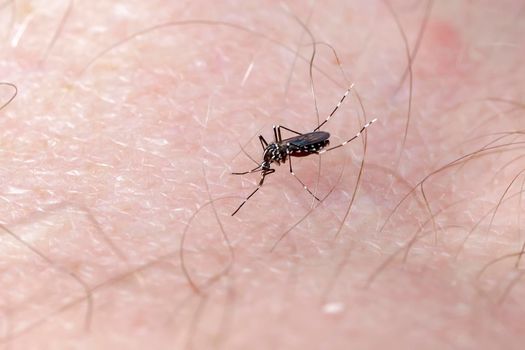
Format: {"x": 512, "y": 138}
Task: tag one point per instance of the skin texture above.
{"x": 116, "y": 190}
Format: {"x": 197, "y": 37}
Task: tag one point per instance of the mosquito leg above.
{"x": 349, "y": 140}
{"x": 258, "y": 168}
{"x": 264, "y": 144}
{"x": 336, "y": 107}
{"x": 279, "y": 127}
{"x": 302, "y": 183}
{"x": 267, "y": 172}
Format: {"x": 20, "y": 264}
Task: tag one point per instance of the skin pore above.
{"x": 130, "y": 116}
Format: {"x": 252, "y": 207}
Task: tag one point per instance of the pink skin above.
{"x": 107, "y": 154}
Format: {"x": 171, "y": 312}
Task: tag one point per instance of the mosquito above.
{"x": 301, "y": 145}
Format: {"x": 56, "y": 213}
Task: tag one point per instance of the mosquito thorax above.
{"x": 274, "y": 153}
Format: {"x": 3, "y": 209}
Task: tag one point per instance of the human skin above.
{"x": 117, "y": 191}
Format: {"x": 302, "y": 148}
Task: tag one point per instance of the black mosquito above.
{"x": 301, "y": 145}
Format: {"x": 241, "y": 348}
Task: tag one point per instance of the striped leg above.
{"x": 336, "y": 107}
{"x": 351, "y": 139}
{"x": 302, "y": 183}
{"x": 266, "y": 172}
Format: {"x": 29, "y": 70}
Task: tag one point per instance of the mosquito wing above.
{"x": 308, "y": 139}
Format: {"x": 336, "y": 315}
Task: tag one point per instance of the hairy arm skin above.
{"x": 130, "y": 117}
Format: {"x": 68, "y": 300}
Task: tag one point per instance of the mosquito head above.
{"x": 265, "y": 166}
